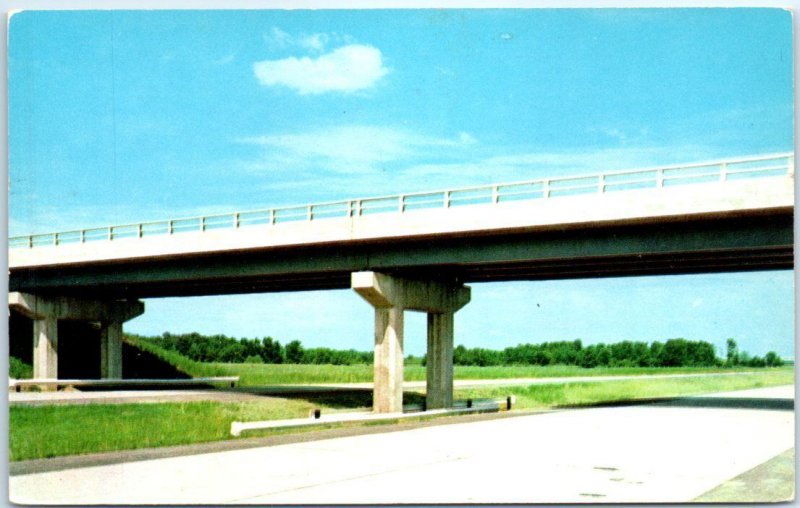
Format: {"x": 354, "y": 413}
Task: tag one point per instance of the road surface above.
{"x": 644, "y": 453}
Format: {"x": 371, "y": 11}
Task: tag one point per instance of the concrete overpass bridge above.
{"x": 414, "y": 251}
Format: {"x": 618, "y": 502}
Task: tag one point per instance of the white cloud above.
{"x": 557, "y": 163}
{"x": 278, "y": 38}
{"x": 347, "y": 69}
{"x": 230, "y": 57}
{"x": 316, "y": 42}
{"x": 466, "y": 138}
{"x": 352, "y": 149}
{"x": 322, "y": 164}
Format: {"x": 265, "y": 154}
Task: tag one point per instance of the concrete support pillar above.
{"x": 388, "y": 379}
{"x": 45, "y": 348}
{"x": 111, "y": 350}
{"x": 390, "y": 296}
{"x": 439, "y": 392}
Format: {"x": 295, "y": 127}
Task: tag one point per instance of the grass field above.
{"x": 574, "y": 394}
{"x": 48, "y": 431}
{"x": 261, "y": 374}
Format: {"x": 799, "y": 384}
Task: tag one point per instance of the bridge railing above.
{"x": 781, "y": 164}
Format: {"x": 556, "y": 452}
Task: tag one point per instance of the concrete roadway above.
{"x": 645, "y": 453}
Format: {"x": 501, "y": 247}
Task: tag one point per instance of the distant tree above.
{"x": 271, "y": 350}
{"x": 254, "y": 359}
{"x": 743, "y": 358}
{"x": 732, "y": 353}
{"x": 656, "y": 355}
{"x": 675, "y": 353}
{"x": 294, "y": 352}
{"x": 773, "y": 360}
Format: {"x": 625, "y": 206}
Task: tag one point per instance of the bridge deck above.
{"x": 723, "y": 224}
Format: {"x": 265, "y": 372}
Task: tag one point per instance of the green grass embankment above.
{"x": 254, "y": 374}
{"x": 49, "y": 431}
{"x": 584, "y": 393}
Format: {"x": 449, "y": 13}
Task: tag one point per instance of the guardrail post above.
{"x": 546, "y": 188}
{"x": 170, "y": 227}
{"x": 55, "y": 238}
{"x": 30, "y": 241}
{"x": 601, "y": 183}
{"x": 495, "y": 194}
{"x": 272, "y": 216}
{"x": 723, "y": 172}
{"x": 660, "y": 178}
{"x": 310, "y": 212}
{"x": 110, "y": 233}
{"x": 83, "y": 236}
{"x": 202, "y": 223}
{"x": 401, "y": 203}
{"x": 447, "y": 199}
{"x": 140, "y": 230}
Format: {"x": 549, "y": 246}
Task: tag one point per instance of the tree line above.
{"x": 672, "y": 353}
{"x": 224, "y": 349}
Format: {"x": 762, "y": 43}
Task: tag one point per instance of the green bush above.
{"x": 17, "y": 369}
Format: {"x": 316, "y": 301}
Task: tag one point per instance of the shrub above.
{"x": 18, "y": 369}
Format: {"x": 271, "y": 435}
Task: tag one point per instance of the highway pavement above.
{"x": 640, "y": 453}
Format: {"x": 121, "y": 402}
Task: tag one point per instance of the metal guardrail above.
{"x": 780, "y": 164}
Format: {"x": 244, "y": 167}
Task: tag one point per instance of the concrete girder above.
{"x": 384, "y": 291}
{"x": 391, "y": 296}
{"x": 79, "y": 309}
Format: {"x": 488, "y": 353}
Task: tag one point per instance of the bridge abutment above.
{"x": 391, "y": 296}
{"x": 47, "y": 311}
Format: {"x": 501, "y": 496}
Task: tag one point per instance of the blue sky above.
{"x": 123, "y": 116}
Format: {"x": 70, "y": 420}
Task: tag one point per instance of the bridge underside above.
{"x": 751, "y": 242}
{"x": 423, "y": 273}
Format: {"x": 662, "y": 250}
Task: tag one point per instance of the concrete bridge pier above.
{"x": 45, "y": 347}
{"x": 391, "y": 296}
{"x": 111, "y": 350}
{"x": 47, "y": 311}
